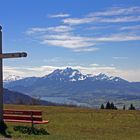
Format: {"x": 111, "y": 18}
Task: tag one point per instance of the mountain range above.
{"x": 71, "y": 83}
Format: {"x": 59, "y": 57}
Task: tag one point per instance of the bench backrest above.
{"x": 29, "y": 115}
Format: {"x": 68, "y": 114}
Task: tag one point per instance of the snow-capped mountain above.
{"x": 12, "y": 78}
{"x": 73, "y": 75}
{"x": 70, "y": 81}
{"x": 104, "y": 77}
{"x": 67, "y": 74}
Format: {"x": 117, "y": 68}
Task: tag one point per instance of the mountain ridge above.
{"x": 72, "y": 84}
{"x": 66, "y": 74}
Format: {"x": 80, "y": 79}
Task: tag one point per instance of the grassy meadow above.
{"x": 71, "y": 123}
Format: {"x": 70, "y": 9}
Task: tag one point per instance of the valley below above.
{"x": 95, "y": 101}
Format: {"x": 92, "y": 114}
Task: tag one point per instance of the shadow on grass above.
{"x": 3, "y": 131}
{"x": 30, "y": 131}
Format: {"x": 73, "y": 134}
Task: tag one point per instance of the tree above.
{"x": 112, "y": 106}
{"x": 102, "y": 106}
{"x": 123, "y": 107}
{"x": 115, "y": 108}
{"x": 131, "y": 107}
{"x": 108, "y": 105}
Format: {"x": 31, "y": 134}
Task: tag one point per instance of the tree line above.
{"x": 112, "y": 106}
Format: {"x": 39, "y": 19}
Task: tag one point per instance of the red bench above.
{"x": 24, "y": 116}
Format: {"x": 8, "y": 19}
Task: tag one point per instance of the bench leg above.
{"x": 32, "y": 127}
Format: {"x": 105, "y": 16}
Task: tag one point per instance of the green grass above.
{"x": 70, "y": 123}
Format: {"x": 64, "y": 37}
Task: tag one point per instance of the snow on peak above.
{"x": 74, "y": 75}
{"x": 116, "y": 79}
{"x": 67, "y": 74}
{"x": 105, "y": 77}
{"x": 70, "y": 75}
{"x": 11, "y": 78}
{"x": 101, "y": 76}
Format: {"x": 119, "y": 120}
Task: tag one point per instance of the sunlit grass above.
{"x": 70, "y": 123}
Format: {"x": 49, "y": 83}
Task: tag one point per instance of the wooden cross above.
{"x": 2, "y": 56}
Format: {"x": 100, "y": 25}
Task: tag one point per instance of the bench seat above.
{"x": 24, "y": 116}
{"x": 26, "y": 121}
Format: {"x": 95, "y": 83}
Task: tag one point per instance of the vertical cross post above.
{"x": 1, "y": 79}
{"x": 2, "y": 56}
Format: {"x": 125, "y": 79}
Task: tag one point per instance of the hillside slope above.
{"x": 13, "y": 97}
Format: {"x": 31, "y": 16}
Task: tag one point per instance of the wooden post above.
{"x": 2, "y": 56}
{"x": 1, "y": 79}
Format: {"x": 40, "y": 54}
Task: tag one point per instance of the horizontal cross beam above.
{"x": 13, "y": 55}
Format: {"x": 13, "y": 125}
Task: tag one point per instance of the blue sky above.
{"x": 93, "y": 36}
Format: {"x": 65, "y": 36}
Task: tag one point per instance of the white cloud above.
{"x": 71, "y": 44}
{"x": 118, "y": 57}
{"x": 114, "y": 11}
{"x": 131, "y": 75}
{"x": 60, "y": 15}
{"x": 36, "y": 30}
{"x": 93, "y": 49}
{"x": 136, "y": 27}
{"x": 117, "y": 38}
{"x": 59, "y": 29}
{"x": 77, "y": 21}
{"x": 111, "y": 15}
{"x": 13, "y": 70}
{"x": 94, "y": 65}
{"x": 60, "y": 36}
{"x": 28, "y": 71}
{"x": 66, "y": 35}
{"x": 69, "y": 41}
{"x": 120, "y": 19}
